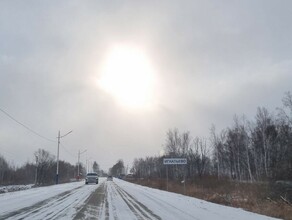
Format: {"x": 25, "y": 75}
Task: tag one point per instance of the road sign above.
{"x": 174, "y": 161}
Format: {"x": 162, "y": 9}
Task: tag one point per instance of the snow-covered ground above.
{"x": 111, "y": 200}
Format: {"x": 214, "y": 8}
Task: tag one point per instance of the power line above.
{"x": 71, "y": 154}
{"x": 26, "y": 127}
{"x": 7, "y": 153}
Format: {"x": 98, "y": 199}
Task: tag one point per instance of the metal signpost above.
{"x": 175, "y": 161}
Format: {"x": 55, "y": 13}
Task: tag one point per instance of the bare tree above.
{"x": 217, "y": 143}
{"x": 199, "y": 155}
{"x": 173, "y": 143}
{"x": 287, "y": 106}
{"x": 263, "y": 141}
{"x": 44, "y": 165}
{"x": 3, "y": 168}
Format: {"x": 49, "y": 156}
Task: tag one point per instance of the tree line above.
{"x": 42, "y": 171}
{"x": 248, "y": 150}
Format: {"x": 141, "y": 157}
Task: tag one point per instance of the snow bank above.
{"x": 12, "y": 188}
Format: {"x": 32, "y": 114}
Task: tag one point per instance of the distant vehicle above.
{"x": 109, "y": 178}
{"x": 91, "y": 178}
{"x": 129, "y": 176}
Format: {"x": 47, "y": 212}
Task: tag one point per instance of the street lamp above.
{"x": 59, "y": 137}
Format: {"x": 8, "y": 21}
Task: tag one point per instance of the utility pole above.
{"x": 57, "y": 172}
{"x": 78, "y": 174}
{"x": 36, "y": 170}
{"x": 88, "y": 164}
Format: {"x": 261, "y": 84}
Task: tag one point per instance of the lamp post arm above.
{"x": 66, "y": 134}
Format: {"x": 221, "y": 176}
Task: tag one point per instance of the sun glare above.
{"x": 128, "y": 76}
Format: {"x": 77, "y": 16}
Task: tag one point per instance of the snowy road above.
{"x": 52, "y": 202}
{"x": 111, "y": 200}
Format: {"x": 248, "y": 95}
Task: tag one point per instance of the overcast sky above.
{"x": 209, "y": 60}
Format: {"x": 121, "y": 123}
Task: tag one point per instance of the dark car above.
{"x": 91, "y": 178}
{"x": 109, "y": 178}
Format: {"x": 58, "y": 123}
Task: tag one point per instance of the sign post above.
{"x": 175, "y": 161}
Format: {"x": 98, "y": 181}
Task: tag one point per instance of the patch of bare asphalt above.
{"x": 106, "y": 206}
{"x": 37, "y": 206}
{"x": 93, "y": 204}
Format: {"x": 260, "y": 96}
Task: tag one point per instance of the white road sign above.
{"x": 173, "y": 161}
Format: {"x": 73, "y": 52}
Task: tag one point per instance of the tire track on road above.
{"x": 139, "y": 209}
{"x": 26, "y": 212}
{"x": 169, "y": 206}
{"x": 113, "y": 208}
